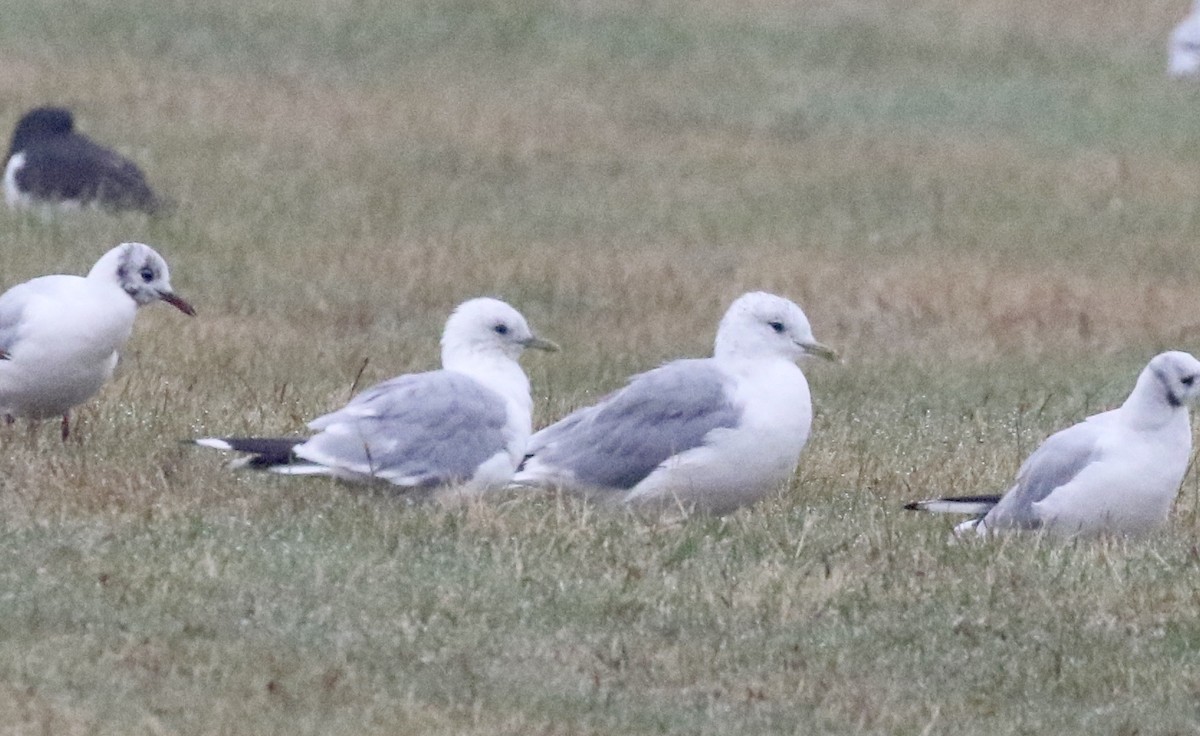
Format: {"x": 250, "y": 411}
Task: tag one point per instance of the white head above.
{"x": 487, "y": 327}
{"x": 1183, "y": 49}
{"x": 759, "y": 324}
{"x": 1171, "y": 378}
{"x": 141, "y": 273}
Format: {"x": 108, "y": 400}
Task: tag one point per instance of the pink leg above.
{"x": 66, "y": 426}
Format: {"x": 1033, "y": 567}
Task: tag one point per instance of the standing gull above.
{"x": 466, "y": 424}
{"x": 60, "y": 335}
{"x": 710, "y": 434}
{"x": 51, "y": 165}
{"x": 1114, "y": 472}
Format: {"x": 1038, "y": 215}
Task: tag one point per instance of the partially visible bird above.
{"x": 60, "y": 335}
{"x": 51, "y": 166}
{"x": 1115, "y": 472}
{"x": 710, "y": 434}
{"x": 1183, "y": 48}
{"x": 465, "y": 425}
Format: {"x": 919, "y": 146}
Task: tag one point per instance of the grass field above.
{"x": 992, "y": 209}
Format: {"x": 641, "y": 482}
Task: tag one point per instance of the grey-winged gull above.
{"x": 465, "y": 425}
{"x": 60, "y": 335}
{"x": 1115, "y": 472}
{"x": 710, "y": 434}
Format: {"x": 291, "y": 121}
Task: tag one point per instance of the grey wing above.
{"x": 622, "y": 439}
{"x": 424, "y": 429}
{"x": 1054, "y": 463}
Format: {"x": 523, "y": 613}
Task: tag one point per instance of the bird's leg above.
{"x": 66, "y": 426}
{"x": 9, "y": 419}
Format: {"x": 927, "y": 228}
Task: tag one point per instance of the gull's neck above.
{"x": 105, "y": 271}
{"x": 1150, "y": 405}
{"x": 728, "y": 347}
{"x": 493, "y": 368}
{"x": 728, "y": 350}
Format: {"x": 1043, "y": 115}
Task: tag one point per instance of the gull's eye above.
{"x": 147, "y": 274}
{"x": 777, "y": 326}
{"x": 1187, "y": 380}
{"x": 500, "y": 329}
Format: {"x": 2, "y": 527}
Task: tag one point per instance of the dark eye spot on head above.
{"x": 147, "y": 274}
{"x": 777, "y": 326}
{"x": 500, "y": 329}
{"x": 1187, "y": 380}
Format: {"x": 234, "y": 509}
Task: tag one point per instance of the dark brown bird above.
{"x": 50, "y": 165}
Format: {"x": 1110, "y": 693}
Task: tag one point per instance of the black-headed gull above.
{"x": 60, "y": 335}
{"x": 50, "y": 165}
{"x": 465, "y": 425}
{"x": 710, "y": 434}
{"x": 1116, "y": 472}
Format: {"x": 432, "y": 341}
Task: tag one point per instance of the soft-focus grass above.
{"x": 992, "y": 209}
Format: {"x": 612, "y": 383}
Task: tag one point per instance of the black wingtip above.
{"x": 991, "y": 498}
{"x": 265, "y": 452}
{"x": 955, "y": 504}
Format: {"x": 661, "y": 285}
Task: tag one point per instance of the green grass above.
{"x": 990, "y": 208}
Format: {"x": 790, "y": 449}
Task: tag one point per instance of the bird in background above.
{"x": 1116, "y": 472}
{"x": 465, "y": 425}
{"x": 708, "y": 434}
{"x": 1183, "y": 48}
{"x": 51, "y": 167}
{"x": 60, "y": 335}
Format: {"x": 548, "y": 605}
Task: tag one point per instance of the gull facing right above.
{"x": 463, "y": 426}
{"x": 60, "y": 335}
{"x": 1116, "y": 472}
{"x": 710, "y": 434}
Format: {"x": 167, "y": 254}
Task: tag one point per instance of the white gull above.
{"x": 465, "y": 425}
{"x": 710, "y": 434}
{"x": 60, "y": 335}
{"x": 1115, "y": 472}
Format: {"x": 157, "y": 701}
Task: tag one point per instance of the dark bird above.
{"x": 50, "y": 165}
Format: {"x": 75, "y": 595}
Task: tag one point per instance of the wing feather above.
{"x": 422, "y": 429}
{"x": 619, "y": 441}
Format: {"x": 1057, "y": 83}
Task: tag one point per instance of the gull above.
{"x": 60, "y": 335}
{"x": 465, "y": 425}
{"x": 1183, "y": 49}
{"x": 709, "y": 434}
{"x": 1115, "y": 472}
{"x": 49, "y": 165}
